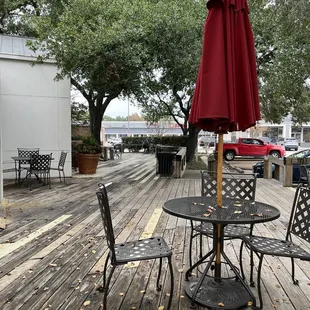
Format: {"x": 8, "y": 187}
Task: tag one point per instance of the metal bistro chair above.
{"x": 235, "y": 185}
{"x": 304, "y": 178}
{"x": 298, "y": 226}
{"x": 61, "y": 165}
{"x": 25, "y": 164}
{"x": 118, "y": 150}
{"x": 40, "y": 167}
{"x": 120, "y": 254}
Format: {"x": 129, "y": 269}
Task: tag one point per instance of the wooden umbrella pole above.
{"x": 219, "y": 170}
{"x": 219, "y": 205}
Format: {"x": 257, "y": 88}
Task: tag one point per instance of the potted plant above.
{"x": 88, "y": 155}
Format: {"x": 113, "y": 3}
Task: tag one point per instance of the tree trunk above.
{"x": 95, "y": 122}
{"x": 96, "y": 115}
{"x": 192, "y": 142}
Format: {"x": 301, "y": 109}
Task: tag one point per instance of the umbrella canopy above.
{"x": 226, "y": 94}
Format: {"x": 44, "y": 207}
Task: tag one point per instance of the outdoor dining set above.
{"x": 30, "y": 163}
{"x": 234, "y": 219}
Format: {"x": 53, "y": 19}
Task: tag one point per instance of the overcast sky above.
{"x": 120, "y": 108}
{"x": 115, "y": 108}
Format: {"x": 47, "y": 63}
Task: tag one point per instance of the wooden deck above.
{"x": 52, "y": 251}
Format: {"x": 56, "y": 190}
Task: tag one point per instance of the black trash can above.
{"x": 165, "y": 159}
{"x": 165, "y": 163}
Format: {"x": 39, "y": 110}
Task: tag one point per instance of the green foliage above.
{"x": 79, "y": 113}
{"x": 152, "y": 49}
{"x": 282, "y": 37}
{"x": 167, "y": 89}
{"x": 16, "y": 15}
{"x": 89, "y": 145}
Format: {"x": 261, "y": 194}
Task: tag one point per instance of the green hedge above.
{"x": 163, "y": 140}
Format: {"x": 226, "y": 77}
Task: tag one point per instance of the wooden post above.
{"x": 219, "y": 170}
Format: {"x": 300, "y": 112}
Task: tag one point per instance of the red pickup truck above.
{"x": 251, "y": 147}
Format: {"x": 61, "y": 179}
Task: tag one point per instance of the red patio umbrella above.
{"x": 226, "y": 94}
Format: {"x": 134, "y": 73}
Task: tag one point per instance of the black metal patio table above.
{"x": 219, "y": 292}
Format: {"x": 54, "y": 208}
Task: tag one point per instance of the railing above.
{"x": 180, "y": 162}
{"x": 283, "y": 168}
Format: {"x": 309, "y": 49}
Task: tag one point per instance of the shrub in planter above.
{"x": 88, "y": 155}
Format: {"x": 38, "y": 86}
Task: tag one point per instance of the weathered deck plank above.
{"x": 61, "y": 267}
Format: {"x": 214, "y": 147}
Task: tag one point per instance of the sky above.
{"x": 120, "y": 108}
{"x": 116, "y": 107}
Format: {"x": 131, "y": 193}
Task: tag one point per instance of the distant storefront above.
{"x": 286, "y": 129}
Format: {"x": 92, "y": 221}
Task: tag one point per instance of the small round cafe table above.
{"x": 217, "y": 291}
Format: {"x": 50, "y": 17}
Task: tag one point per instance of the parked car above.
{"x": 258, "y": 168}
{"x": 280, "y": 141}
{"x": 265, "y": 139}
{"x": 251, "y": 147}
{"x": 206, "y": 139}
{"x": 290, "y": 144}
{"x": 114, "y": 140}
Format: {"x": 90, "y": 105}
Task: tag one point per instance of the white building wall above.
{"x": 35, "y": 111}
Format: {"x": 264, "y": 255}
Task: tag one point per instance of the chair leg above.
{"x": 49, "y": 179}
{"x": 200, "y": 245}
{"x": 59, "y": 175}
{"x": 30, "y": 186}
{"x": 252, "y": 283}
{"x": 258, "y": 281}
{"x": 190, "y": 247}
{"x": 105, "y": 270}
{"x": 106, "y": 287}
{"x": 295, "y": 281}
{"x": 158, "y": 286}
{"x": 63, "y": 172}
{"x": 171, "y": 283}
{"x": 240, "y": 259}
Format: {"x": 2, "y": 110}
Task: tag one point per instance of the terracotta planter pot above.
{"x": 87, "y": 163}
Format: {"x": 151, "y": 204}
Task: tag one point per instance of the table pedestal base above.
{"x": 230, "y": 293}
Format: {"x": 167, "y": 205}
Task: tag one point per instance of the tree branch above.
{"x": 171, "y": 112}
{"x": 82, "y": 90}
{"x": 179, "y": 100}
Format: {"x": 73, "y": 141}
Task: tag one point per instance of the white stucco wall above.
{"x": 35, "y": 111}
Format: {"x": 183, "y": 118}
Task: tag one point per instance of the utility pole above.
{"x": 128, "y": 119}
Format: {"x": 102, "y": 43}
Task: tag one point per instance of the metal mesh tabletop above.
{"x": 233, "y": 211}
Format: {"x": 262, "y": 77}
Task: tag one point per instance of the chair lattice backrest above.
{"x": 118, "y": 148}
{"x": 40, "y": 162}
{"x": 240, "y": 186}
{"x": 299, "y": 224}
{"x": 62, "y": 160}
{"x": 106, "y": 219}
{"x": 27, "y": 152}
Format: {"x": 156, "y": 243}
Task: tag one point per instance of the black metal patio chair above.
{"x": 24, "y": 164}
{"x": 61, "y": 165}
{"x": 123, "y": 253}
{"x": 298, "y": 226}
{"x": 118, "y": 150}
{"x": 234, "y": 185}
{"x": 40, "y": 167}
{"x": 304, "y": 176}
